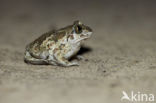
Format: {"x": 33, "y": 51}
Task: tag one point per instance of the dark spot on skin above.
{"x": 68, "y": 37}
{"x": 59, "y": 53}
{"x": 58, "y": 36}
{"x": 72, "y": 37}
{"x": 61, "y": 46}
{"x": 48, "y": 46}
{"x": 82, "y": 35}
{"x": 51, "y": 44}
{"x": 63, "y": 58}
{"x": 64, "y": 50}
{"x": 42, "y": 48}
{"x": 55, "y": 50}
{"x": 47, "y": 57}
{"x": 35, "y": 48}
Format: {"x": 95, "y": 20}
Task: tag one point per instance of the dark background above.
{"x": 121, "y": 56}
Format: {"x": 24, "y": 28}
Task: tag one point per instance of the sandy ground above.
{"x": 121, "y": 53}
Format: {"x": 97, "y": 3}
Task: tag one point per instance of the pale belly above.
{"x": 73, "y": 51}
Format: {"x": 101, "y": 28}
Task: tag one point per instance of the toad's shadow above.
{"x": 83, "y": 50}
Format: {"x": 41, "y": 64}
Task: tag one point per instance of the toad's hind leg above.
{"x": 29, "y": 59}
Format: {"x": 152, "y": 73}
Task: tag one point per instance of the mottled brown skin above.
{"x": 57, "y": 46}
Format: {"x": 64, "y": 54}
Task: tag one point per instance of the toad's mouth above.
{"x": 84, "y": 38}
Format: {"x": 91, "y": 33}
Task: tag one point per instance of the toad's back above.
{"x": 36, "y": 44}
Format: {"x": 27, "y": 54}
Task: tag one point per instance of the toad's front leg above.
{"x": 64, "y": 62}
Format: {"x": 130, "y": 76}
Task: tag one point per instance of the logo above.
{"x": 138, "y": 96}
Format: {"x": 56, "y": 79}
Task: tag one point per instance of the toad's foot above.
{"x": 79, "y": 57}
{"x": 64, "y": 64}
{"x": 72, "y": 64}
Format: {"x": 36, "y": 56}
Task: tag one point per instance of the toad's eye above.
{"x": 78, "y": 29}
